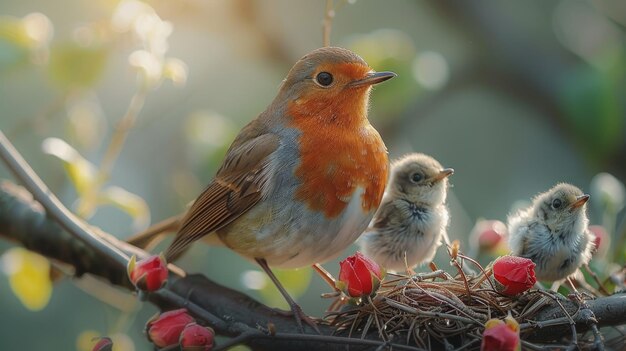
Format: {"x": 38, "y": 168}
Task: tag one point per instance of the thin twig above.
{"x": 327, "y": 24}
{"x": 596, "y": 279}
{"x": 455, "y": 263}
{"x": 572, "y": 324}
{"x": 326, "y": 276}
{"x": 485, "y": 275}
{"x": 416, "y": 311}
{"x": 120, "y": 134}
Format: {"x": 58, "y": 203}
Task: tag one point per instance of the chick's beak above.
{"x": 580, "y": 200}
{"x": 373, "y": 78}
{"x": 444, "y": 173}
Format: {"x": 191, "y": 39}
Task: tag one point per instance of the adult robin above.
{"x": 412, "y": 220}
{"x": 553, "y": 232}
{"x": 302, "y": 181}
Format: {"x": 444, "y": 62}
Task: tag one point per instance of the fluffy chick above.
{"x": 412, "y": 218}
{"x": 553, "y": 232}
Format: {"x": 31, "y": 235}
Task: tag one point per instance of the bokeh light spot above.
{"x": 430, "y": 69}
{"x": 254, "y": 280}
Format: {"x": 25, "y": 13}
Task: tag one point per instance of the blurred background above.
{"x": 515, "y": 96}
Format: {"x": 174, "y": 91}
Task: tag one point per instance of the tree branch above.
{"x": 608, "y": 310}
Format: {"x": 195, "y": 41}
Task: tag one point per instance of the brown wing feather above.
{"x": 236, "y": 188}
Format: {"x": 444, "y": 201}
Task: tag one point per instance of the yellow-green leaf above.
{"x": 82, "y": 173}
{"x": 29, "y": 277}
{"x": 14, "y": 42}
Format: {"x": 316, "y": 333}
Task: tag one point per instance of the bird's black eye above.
{"x": 324, "y": 79}
{"x": 416, "y": 177}
{"x": 557, "y": 203}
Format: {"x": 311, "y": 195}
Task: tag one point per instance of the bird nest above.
{"x": 435, "y": 310}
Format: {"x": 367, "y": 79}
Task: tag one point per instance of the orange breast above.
{"x": 338, "y": 154}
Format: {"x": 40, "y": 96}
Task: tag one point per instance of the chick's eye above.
{"x": 416, "y": 177}
{"x": 324, "y": 79}
{"x": 557, "y": 203}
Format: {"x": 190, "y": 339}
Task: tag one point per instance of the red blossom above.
{"x": 601, "y": 237}
{"x": 489, "y": 234}
{"x": 196, "y": 338}
{"x": 149, "y": 274}
{"x": 516, "y": 274}
{"x": 359, "y": 276}
{"x": 165, "y": 329}
{"x": 501, "y": 336}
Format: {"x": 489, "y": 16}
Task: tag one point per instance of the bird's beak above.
{"x": 580, "y": 200}
{"x": 444, "y": 173}
{"x": 373, "y": 78}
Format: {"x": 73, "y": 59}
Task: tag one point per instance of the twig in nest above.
{"x": 455, "y": 263}
{"x": 485, "y": 275}
{"x": 572, "y": 324}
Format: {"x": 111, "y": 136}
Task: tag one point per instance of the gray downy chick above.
{"x": 553, "y": 232}
{"x": 412, "y": 218}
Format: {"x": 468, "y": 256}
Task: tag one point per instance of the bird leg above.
{"x": 577, "y": 295}
{"x": 556, "y": 285}
{"x": 296, "y": 310}
{"x": 409, "y": 270}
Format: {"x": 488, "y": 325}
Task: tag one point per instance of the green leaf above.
{"x": 74, "y": 66}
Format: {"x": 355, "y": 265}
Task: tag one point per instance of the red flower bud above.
{"x": 602, "y": 238}
{"x": 489, "y": 233}
{"x": 149, "y": 274}
{"x": 104, "y": 344}
{"x": 359, "y": 276}
{"x": 501, "y": 336}
{"x": 196, "y": 338}
{"x": 516, "y": 274}
{"x": 165, "y": 329}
